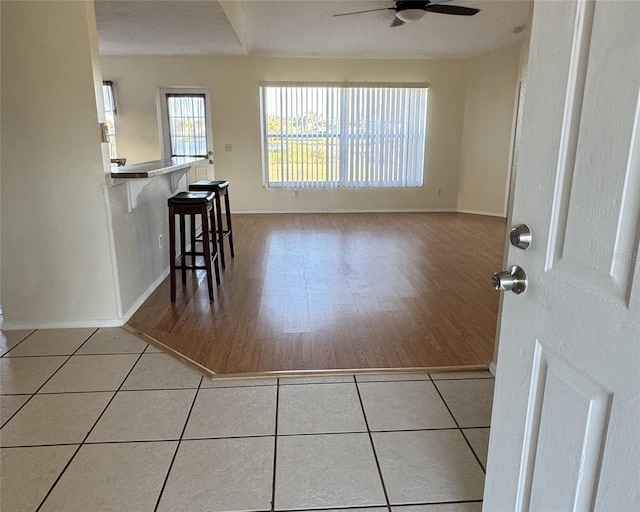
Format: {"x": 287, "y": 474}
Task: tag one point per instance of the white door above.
{"x": 196, "y": 115}
{"x": 565, "y": 431}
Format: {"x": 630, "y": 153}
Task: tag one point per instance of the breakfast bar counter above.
{"x": 137, "y": 176}
{"x": 155, "y": 167}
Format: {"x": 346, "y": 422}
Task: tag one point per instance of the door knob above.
{"x": 514, "y": 280}
{"x": 520, "y": 236}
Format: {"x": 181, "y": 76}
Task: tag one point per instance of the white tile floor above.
{"x": 96, "y": 420}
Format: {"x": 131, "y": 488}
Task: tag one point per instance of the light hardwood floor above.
{"x": 340, "y": 291}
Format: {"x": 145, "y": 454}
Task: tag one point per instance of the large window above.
{"x": 187, "y": 124}
{"x": 353, "y": 135}
{"x": 110, "y": 116}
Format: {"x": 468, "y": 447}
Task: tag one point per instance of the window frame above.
{"x": 113, "y": 145}
{"x": 344, "y": 181}
{"x": 163, "y": 116}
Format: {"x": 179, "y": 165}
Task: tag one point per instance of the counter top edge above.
{"x": 155, "y": 167}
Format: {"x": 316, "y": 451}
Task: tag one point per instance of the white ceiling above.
{"x": 303, "y": 28}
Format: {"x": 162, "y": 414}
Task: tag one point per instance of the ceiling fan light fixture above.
{"x": 409, "y": 15}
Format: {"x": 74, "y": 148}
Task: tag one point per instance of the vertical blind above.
{"x": 107, "y": 93}
{"x": 343, "y": 136}
{"x": 187, "y": 124}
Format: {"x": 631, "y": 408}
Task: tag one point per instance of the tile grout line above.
{"x": 429, "y": 503}
{"x": 459, "y": 427}
{"x": 47, "y": 393}
{"x": 21, "y": 341}
{"x": 21, "y": 407}
{"x": 175, "y": 453}
{"x": 134, "y": 441}
{"x": 257, "y": 436}
{"x": 375, "y": 454}
{"x": 36, "y": 356}
{"x": 90, "y": 430}
{"x": 275, "y": 449}
{"x": 370, "y": 507}
{"x": 330, "y": 509}
{"x": 91, "y": 443}
{"x": 7, "y": 355}
{"x": 303, "y": 434}
{"x": 50, "y": 376}
{"x": 474, "y": 452}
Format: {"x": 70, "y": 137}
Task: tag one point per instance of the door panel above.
{"x": 566, "y": 411}
{"x": 559, "y": 390}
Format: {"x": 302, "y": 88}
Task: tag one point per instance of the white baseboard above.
{"x": 143, "y": 297}
{"x": 478, "y": 212}
{"x": 492, "y": 368}
{"x": 71, "y": 324}
{"x": 376, "y": 210}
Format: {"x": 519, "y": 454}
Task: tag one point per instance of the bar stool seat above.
{"x": 192, "y": 204}
{"x": 221, "y": 188}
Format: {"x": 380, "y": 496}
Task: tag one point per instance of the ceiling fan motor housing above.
{"x": 408, "y": 11}
{"x": 403, "y": 5}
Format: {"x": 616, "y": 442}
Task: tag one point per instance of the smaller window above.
{"x": 187, "y": 125}
{"x": 110, "y": 116}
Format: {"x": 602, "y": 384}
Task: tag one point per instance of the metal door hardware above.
{"x": 514, "y": 280}
{"x": 520, "y": 236}
{"x": 104, "y": 130}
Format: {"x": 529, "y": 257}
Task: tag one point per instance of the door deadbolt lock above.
{"x": 514, "y": 280}
{"x": 520, "y": 236}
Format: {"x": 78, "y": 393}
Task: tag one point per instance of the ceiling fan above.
{"x": 411, "y": 10}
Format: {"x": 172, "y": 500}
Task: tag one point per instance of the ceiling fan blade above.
{"x": 362, "y": 12}
{"x": 452, "y": 9}
{"x": 397, "y": 22}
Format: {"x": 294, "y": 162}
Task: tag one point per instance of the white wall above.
{"x": 141, "y": 262}
{"x": 488, "y": 121}
{"x": 234, "y": 82}
{"x": 56, "y": 265}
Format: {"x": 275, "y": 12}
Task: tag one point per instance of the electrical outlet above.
{"x": 161, "y": 241}
{"x": 228, "y": 147}
{"x": 296, "y": 194}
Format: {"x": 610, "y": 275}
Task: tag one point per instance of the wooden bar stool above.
{"x": 221, "y": 188}
{"x": 192, "y": 204}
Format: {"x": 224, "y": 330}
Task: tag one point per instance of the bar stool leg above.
{"x": 192, "y": 219}
{"x": 215, "y": 245}
{"x": 183, "y": 250}
{"x": 220, "y": 230}
{"x": 229, "y": 230}
{"x": 207, "y": 251}
{"x": 172, "y": 251}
